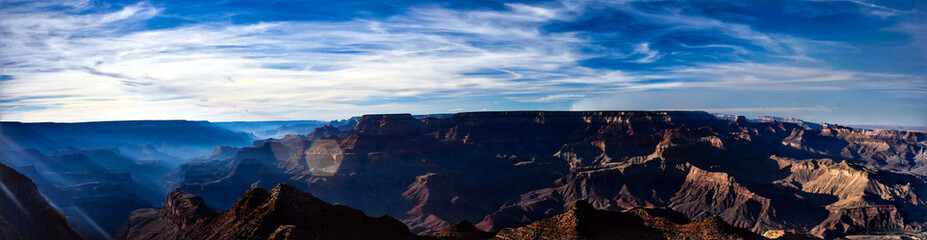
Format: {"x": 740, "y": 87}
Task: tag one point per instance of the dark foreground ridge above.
{"x": 282, "y": 213}
{"x": 25, "y": 214}
{"x": 289, "y": 213}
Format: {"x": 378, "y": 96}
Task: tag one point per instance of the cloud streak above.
{"x": 107, "y": 64}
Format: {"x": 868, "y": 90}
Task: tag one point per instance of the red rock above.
{"x": 582, "y": 221}
{"x": 508, "y": 169}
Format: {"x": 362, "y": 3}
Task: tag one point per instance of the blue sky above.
{"x": 851, "y": 62}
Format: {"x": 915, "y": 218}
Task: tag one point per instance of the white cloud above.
{"x": 99, "y": 68}
{"x": 548, "y": 98}
{"x": 166, "y": 73}
{"x": 649, "y": 54}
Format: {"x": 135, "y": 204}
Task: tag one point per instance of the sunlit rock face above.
{"x": 25, "y": 214}
{"x": 583, "y": 221}
{"x": 857, "y": 220}
{"x": 887, "y": 149}
{"x": 508, "y": 169}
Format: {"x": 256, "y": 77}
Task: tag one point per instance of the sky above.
{"x": 850, "y": 62}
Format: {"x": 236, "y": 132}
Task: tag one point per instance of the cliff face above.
{"x": 288, "y": 213}
{"x": 860, "y": 220}
{"x": 463, "y": 230}
{"x": 582, "y": 221}
{"x": 179, "y": 212}
{"x": 25, "y": 214}
{"x": 508, "y": 169}
{"x": 887, "y": 149}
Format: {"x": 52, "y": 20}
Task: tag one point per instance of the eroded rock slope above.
{"x": 508, "y": 169}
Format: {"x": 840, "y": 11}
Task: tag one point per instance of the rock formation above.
{"x": 288, "y": 213}
{"x": 508, "y": 169}
{"x": 582, "y": 221}
{"x": 179, "y": 212}
{"x": 282, "y": 213}
{"x": 463, "y": 230}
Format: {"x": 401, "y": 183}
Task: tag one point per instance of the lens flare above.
{"x": 10, "y": 195}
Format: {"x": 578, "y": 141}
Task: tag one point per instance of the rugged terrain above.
{"x": 288, "y": 213}
{"x": 508, "y": 169}
{"x": 492, "y": 170}
{"x": 281, "y": 213}
{"x": 582, "y": 221}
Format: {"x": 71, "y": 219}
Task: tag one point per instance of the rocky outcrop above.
{"x": 704, "y": 194}
{"x": 508, "y": 169}
{"x": 695, "y": 192}
{"x": 179, "y": 212}
{"x": 904, "y": 151}
{"x": 786, "y": 235}
{"x": 582, "y": 221}
{"x": 288, "y": 213}
{"x": 463, "y": 230}
{"x": 281, "y": 213}
{"x": 868, "y": 219}
{"x": 25, "y": 213}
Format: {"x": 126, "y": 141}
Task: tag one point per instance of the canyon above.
{"x": 285, "y": 212}
{"x": 506, "y": 175}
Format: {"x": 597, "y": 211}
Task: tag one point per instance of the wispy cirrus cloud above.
{"x": 110, "y": 63}
{"x": 548, "y": 98}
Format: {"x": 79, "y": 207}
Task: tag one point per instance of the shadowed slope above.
{"x": 282, "y": 213}
{"x": 25, "y": 214}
